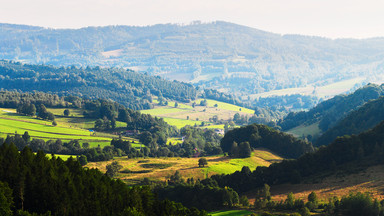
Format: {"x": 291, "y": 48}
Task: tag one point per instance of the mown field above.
{"x": 159, "y": 169}
{"x": 185, "y": 114}
{"x": 11, "y": 123}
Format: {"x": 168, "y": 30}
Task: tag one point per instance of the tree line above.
{"x": 32, "y": 183}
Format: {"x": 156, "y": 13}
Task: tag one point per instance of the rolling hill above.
{"x": 221, "y": 55}
{"x": 131, "y": 89}
{"x": 362, "y": 119}
{"x": 327, "y": 113}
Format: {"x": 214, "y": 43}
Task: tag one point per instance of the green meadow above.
{"x": 306, "y": 130}
{"x": 231, "y": 213}
{"x": 11, "y": 123}
{"x": 227, "y": 106}
{"x": 179, "y": 123}
{"x": 185, "y": 114}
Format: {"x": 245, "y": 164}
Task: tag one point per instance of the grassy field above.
{"x": 231, "y": 213}
{"x": 305, "y": 130}
{"x": 135, "y": 170}
{"x": 11, "y": 123}
{"x": 227, "y": 106}
{"x": 179, "y": 123}
{"x": 72, "y": 112}
{"x": 185, "y": 114}
{"x": 325, "y": 91}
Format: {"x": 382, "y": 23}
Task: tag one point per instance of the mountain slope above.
{"x": 202, "y": 53}
{"x": 345, "y": 153}
{"x": 366, "y": 117}
{"x": 132, "y": 89}
{"x": 327, "y": 113}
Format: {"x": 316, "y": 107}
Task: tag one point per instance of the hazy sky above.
{"x": 329, "y": 18}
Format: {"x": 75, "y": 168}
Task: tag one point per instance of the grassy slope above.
{"x": 325, "y": 91}
{"x": 305, "y": 130}
{"x": 178, "y": 116}
{"x": 188, "y": 167}
{"x": 369, "y": 180}
{"x": 10, "y": 123}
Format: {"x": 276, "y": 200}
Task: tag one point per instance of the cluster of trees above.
{"x": 221, "y": 96}
{"x": 32, "y": 183}
{"x": 344, "y": 153}
{"x": 366, "y": 117}
{"x": 206, "y": 141}
{"x": 197, "y": 142}
{"x": 262, "y": 136}
{"x": 242, "y": 150}
{"x": 14, "y": 99}
{"x": 194, "y": 194}
{"x": 328, "y": 112}
{"x": 123, "y": 86}
{"x": 31, "y": 110}
{"x": 294, "y": 101}
{"x": 73, "y": 147}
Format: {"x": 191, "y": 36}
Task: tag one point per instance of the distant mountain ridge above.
{"x": 225, "y": 56}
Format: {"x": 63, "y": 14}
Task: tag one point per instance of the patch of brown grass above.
{"x": 370, "y": 180}
{"x": 188, "y": 167}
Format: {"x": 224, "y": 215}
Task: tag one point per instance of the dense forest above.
{"x": 32, "y": 183}
{"x": 366, "y": 117}
{"x": 131, "y": 89}
{"x": 344, "y": 153}
{"x": 261, "y": 136}
{"x": 328, "y": 112}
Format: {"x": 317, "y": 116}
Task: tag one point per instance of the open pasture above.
{"x": 11, "y": 123}
{"x": 185, "y": 114}
{"x": 160, "y": 169}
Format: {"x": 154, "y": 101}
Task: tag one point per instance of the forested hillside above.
{"x": 366, "y": 117}
{"x": 32, "y": 183}
{"x": 261, "y": 136}
{"x": 133, "y": 90}
{"x": 329, "y": 112}
{"x": 222, "y": 55}
{"x": 344, "y": 153}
